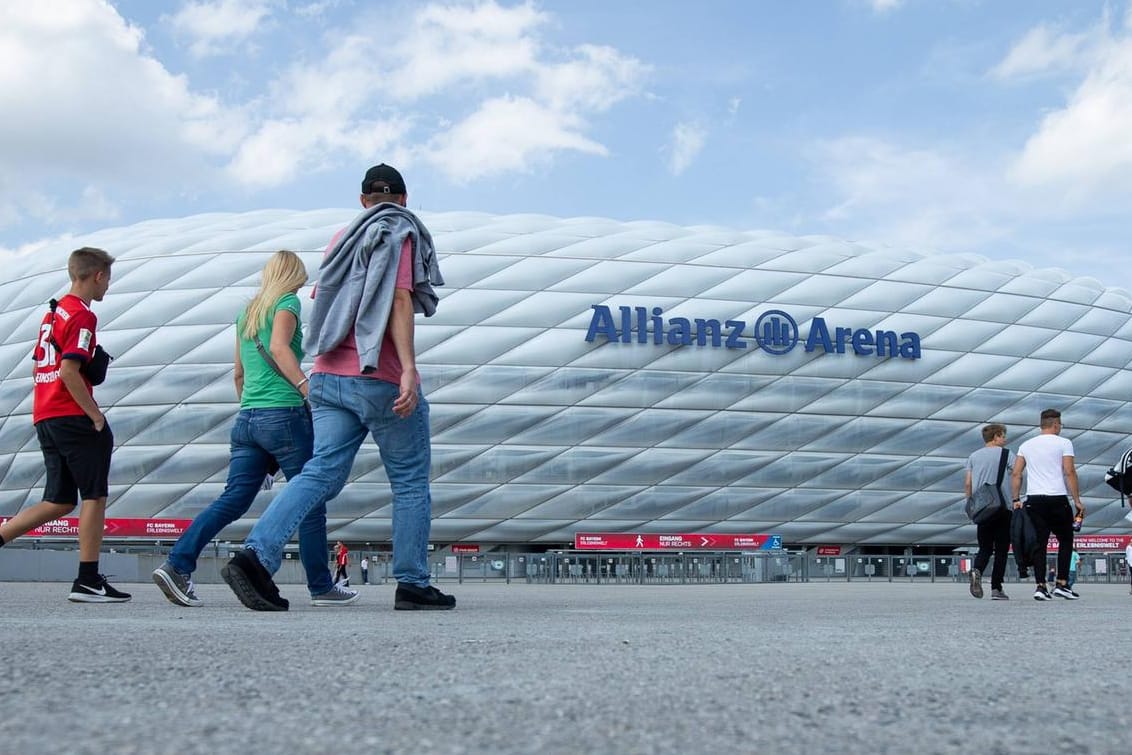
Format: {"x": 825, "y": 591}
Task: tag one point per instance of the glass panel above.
{"x": 650, "y": 503}
{"x": 648, "y": 427}
{"x": 507, "y": 501}
{"x": 543, "y": 309}
{"x": 493, "y": 424}
{"x": 571, "y": 426}
{"x": 490, "y": 384}
{"x": 651, "y": 466}
{"x": 581, "y": 502}
{"x": 575, "y": 466}
{"x": 680, "y": 281}
{"x": 852, "y": 506}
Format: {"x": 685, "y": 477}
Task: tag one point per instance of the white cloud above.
{"x": 362, "y": 98}
{"x": 1045, "y": 50}
{"x": 913, "y": 196}
{"x": 595, "y": 80}
{"x": 688, "y": 140}
{"x": 1081, "y": 152}
{"x": 316, "y": 9}
{"x": 884, "y": 6}
{"x": 449, "y": 44}
{"x": 217, "y": 26}
{"x": 474, "y": 88}
{"x": 506, "y": 134}
{"x": 97, "y": 109}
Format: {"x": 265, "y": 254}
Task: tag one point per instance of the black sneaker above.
{"x": 412, "y": 598}
{"x": 1063, "y": 591}
{"x": 252, "y": 584}
{"x": 1041, "y": 593}
{"x": 99, "y": 591}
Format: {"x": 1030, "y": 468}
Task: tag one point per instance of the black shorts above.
{"x": 77, "y": 458}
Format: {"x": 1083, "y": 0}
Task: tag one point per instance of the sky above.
{"x": 1001, "y": 128}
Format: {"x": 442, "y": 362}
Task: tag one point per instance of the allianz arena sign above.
{"x": 775, "y": 332}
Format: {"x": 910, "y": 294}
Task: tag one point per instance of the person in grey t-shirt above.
{"x": 994, "y": 534}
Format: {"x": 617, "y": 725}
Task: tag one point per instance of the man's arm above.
{"x": 1069, "y": 469}
{"x": 73, "y": 380}
{"x": 401, "y": 331}
{"x": 967, "y": 485}
{"x": 1016, "y": 480}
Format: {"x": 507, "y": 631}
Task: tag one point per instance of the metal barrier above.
{"x": 1100, "y": 568}
{"x": 572, "y": 567}
{"x": 621, "y": 568}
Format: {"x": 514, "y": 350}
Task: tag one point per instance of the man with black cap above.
{"x": 376, "y": 274}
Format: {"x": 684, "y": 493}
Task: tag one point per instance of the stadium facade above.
{"x": 589, "y": 375}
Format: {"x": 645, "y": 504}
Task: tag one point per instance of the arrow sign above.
{"x": 629, "y": 541}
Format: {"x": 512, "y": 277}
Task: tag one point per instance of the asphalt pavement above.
{"x": 762, "y": 668}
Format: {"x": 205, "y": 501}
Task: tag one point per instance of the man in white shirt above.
{"x": 1051, "y": 477}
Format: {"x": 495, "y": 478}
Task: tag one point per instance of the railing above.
{"x": 587, "y": 568}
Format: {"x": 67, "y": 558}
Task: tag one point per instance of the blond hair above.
{"x": 87, "y": 261}
{"x": 283, "y": 273}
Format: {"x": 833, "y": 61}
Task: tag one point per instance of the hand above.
{"x": 407, "y": 400}
{"x": 99, "y": 422}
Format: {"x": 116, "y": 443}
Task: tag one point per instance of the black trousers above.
{"x": 994, "y": 537}
{"x": 1052, "y": 514}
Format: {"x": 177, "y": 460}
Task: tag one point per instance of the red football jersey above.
{"x": 70, "y": 328}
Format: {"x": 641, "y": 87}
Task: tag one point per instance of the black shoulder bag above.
{"x": 987, "y": 501}
{"x": 93, "y": 369}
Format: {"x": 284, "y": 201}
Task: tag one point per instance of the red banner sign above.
{"x": 622, "y": 541}
{"x": 829, "y": 550}
{"x": 1094, "y": 542}
{"x": 465, "y": 548}
{"x": 154, "y": 529}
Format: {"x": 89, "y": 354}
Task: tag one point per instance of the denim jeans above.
{"x": 346, "y": 409}
{"x": 258, "y": 435}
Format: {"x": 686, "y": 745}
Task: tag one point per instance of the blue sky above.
{"x": 995, "y": 127}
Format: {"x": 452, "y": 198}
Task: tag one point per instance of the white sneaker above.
{"x": 1041, "y": 593}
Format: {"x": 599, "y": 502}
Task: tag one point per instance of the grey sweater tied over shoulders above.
{"x": 358, "y": 276}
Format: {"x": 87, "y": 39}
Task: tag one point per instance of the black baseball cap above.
{"x": 386, "y": 175}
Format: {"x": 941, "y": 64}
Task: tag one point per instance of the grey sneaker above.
{"x": 976, "y": 583}
{"x": 176, "y": 586}
{"x": 998, "y": 595}
{"x": 335, "y": 596}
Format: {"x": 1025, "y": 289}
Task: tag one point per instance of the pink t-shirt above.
{"x": 343, "y": 358}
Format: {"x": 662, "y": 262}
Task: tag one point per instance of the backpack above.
{"x": 1119, "y": 476}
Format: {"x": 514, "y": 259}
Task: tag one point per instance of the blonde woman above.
{"x": 273, "y": 427}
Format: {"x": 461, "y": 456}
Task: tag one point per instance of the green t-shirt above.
{"x": 263, "y": 388}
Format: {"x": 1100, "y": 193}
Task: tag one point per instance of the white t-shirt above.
{"x": 365, "y": 563}
{"x": 1043, "y": 455}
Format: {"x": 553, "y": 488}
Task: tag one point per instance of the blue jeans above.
{"x": 258, "y": 435}
{"x": 346, "y": 409}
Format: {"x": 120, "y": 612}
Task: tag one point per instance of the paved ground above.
{"x": 800, "y": 668}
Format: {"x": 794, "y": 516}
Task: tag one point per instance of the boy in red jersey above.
{"x": 72, "y": 431}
